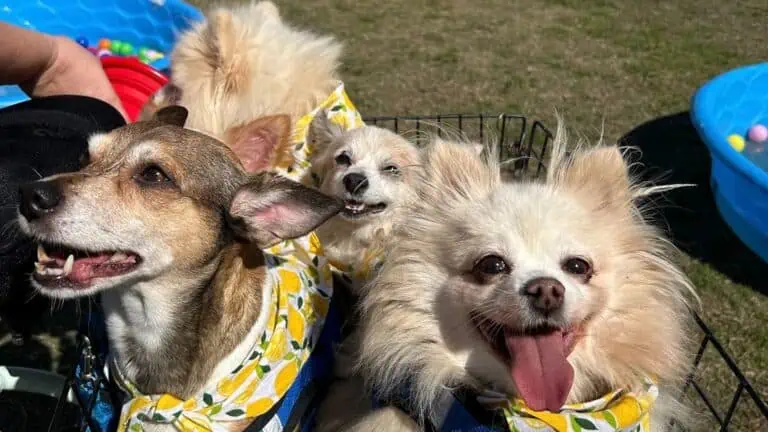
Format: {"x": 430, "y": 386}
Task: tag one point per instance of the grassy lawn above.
{"x": 603, "y": 64}
{"x": 615, "y": 64}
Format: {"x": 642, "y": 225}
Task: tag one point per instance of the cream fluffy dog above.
{"x": 242, "y": 64}
{"x": 552, "y": 292}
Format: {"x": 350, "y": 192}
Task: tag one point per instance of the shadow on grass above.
{"x": 672, "y": 151}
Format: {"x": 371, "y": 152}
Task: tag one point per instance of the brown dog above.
{"x": 167, "y": 225}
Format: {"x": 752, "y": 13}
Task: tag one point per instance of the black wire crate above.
{"x": 716, "y": 387}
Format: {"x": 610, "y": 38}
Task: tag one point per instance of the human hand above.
{"x": 72, "y": 70}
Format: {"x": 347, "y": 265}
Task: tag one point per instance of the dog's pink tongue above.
{"x": 540, "y": 369}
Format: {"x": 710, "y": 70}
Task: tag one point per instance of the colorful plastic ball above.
{"x": 104, "y": 53}
{"x": 737, "y": 142}
{"x": 126, "y": 49}
{"x": 758, "y": 133}
{"x": 153, "y": 55}
{"x": 105, "y": 43}
{"x": 116, "y": 46}
{"x": 82, "y": 41}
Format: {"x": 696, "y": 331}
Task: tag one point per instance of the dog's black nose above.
{"x": 39, "y": 198}
{"x": 355, "y": 183}
{"x": 546, "y": 294}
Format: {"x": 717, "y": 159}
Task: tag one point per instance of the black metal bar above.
{"x": 502, "y": 131}
{"x": 759, "y": 402}
{"x": 709, "y": 405}
{"x": 521, "y": 136}
{"x": 696, "y": 361}
{"x": 732, "y": 408}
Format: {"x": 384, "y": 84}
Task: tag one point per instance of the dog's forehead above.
{"x": 380, "y": 144}
{"x": 530, "y": 218}
{"x": 188, "y": 148}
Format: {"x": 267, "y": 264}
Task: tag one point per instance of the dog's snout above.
{"x": 355, "y": 183}
{"x": 39, "y": 198}
{"x": 546, "y": 294}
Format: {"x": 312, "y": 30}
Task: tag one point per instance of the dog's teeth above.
{"x": 39, "y": 268}
{"x": 41, "y": 255}
{"x": 69, "y": 264}
{"x": 52, "y": 271}
{"x": 118, "y": 257}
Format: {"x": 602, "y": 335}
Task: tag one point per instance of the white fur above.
{"x": 371, "y": 150}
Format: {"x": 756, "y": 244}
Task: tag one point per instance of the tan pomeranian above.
{"x": 374, "y": 172}
{"x": 526, "y": 299}
{"x": 247, "y": 77}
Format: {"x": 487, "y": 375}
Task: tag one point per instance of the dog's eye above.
{"x": 490, "y": 266}
{"x": 391, "y": 170}
{"x": 153, "y": 175}
{"x": 578, "y": 266}
{"x": 343, "y": 159}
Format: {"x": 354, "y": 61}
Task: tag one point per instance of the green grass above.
{"x": 601, "y": 63}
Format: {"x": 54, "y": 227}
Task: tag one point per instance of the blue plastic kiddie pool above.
{"x": 149, "y": 23}
{"x": 730, "y": 104}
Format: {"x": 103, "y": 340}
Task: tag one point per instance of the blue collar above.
{"x": 96, "y": 395}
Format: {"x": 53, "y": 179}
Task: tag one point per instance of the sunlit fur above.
{"x": 370, "y": 149}
{"x": 635, "y": 309}
{"x": 245, "y": 62}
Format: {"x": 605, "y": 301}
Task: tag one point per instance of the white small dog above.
{"x": 374, "y": 171}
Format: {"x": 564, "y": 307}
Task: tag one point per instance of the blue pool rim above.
{"x": 724, "y": 157}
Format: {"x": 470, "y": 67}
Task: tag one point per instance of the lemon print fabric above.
{"x": 620, "y": 410}
{"x": 301, "y": 292}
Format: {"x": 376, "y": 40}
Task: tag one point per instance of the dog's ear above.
{"x": 600, "y": 175}
{"x": 322, "y": 131}
{"x": 455, "y": 169}
{"x": 169, "y": 94}
{"x": 271, "y": 208}
{"x": 257, "y": 142}
{"x": 175, "y": 115}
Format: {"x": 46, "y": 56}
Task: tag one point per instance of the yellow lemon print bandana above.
{"x": 301, "y": 293}
{"x": 620, "y": 410}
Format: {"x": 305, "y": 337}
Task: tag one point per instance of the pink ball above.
{"x": 758, "y": 133}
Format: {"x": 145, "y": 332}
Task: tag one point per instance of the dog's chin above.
{"x": 355, "y": 210}
{"x": 67, "y": 272}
